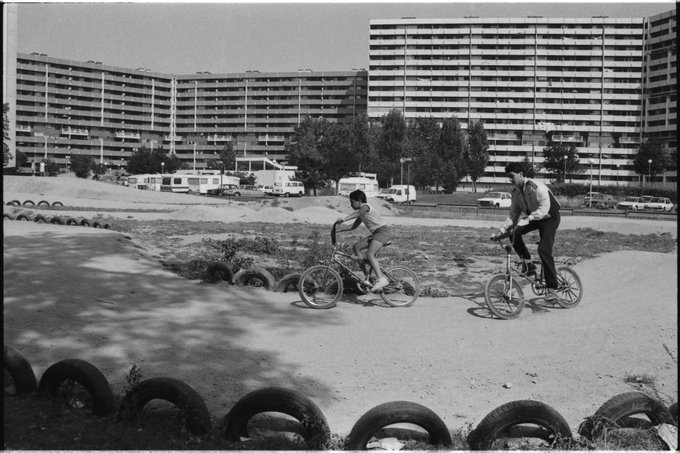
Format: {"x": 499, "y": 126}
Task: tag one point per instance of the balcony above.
{"x": 126, "y": 134}
{"x": 73, "y": 131}
{"x": 172, "y": 138}
{"x": 218, "y": 138}
{"x": 566, "y": 138}
{"x": 23, "y": 128}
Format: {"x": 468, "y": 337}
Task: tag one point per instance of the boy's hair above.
{"x": 358, "y": 195}
{"x": 514, "y": 167}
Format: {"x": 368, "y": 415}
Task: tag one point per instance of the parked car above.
{"x": 589, "y": 195}
{"x": 268, "y": 190}
{"x": 603, "y": 201}
{"x": 659, "y": 204}
{"x": 219, "y": 189}
{"x": 495, "y": 200}
{"x": 244, "y": 191}
{"x": 631, "y": 203}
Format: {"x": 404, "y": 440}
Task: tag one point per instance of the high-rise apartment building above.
{"x": 578, "y": 80}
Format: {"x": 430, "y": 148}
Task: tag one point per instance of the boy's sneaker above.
{"x": 380, "y": 284}
{"x": 551, "y": 295}
{"x": 528, "y": 269}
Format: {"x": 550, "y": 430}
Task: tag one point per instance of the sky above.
{"x": 188, "y": 37}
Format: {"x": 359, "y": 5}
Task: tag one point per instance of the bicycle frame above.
{"x": 537, "y": 282}
{"x": 337, "y": 253}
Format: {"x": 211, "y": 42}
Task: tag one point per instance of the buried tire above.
{"x": 14, "y": 203}
{"x": 44, "y": 203}
{"x": 22, "y": 376}
{"x": 254, "y": 276}
{"x": 28, "y": 203}
{"x": 85, "y": 374}
{"x": 8, "y": 217}
{"x": 277, "y": 399}
{"x": 396, "y": 412}
{"x": 71, "y": 221}
{"x": 57, "y": 204}
{"x": 56, "y": 220}
{"x": 24, "y": 217}
{"x": 83, "y": 222}
{"x": 620, "y": 411}
{"x": 184, "y": 397}
{"x": 288, "y": 283}
{"x": 217, "y": 271}
{"x": 39, "y": 218}
{"x": 499, "y": 423}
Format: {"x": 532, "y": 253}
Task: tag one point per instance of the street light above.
{"x": 565, "y": 168}
{"x": 649, "y": 171}
{"x": 618, "y": 166}
{"x": 401, "y": 179}
{"x": 590, "y": 198}
{"x": 162, "y": 167}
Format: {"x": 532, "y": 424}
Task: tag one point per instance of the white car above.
{"x": 631, "y": 203}
{"x": 495, "y": 200}
{"x": 659, "y": 204}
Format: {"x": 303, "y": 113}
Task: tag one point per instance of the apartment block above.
{"x": 579, "y": 80}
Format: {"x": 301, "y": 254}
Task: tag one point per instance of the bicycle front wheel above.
{"x": 320, "y": 287}
{"x": 403, "y": 288}
{"x": 502, "y": 299}
{"x": 569, "y": 287}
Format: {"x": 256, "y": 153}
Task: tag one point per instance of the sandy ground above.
{"x": 73, "y": 292}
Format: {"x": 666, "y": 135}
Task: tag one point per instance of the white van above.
{"x": 399, "y": 194}
{"x": 368, "y": 185}
{"x": 288, "y": 189}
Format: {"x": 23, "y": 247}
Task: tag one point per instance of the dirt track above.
{"x": 73, "y": 292}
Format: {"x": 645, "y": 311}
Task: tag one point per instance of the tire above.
{"x": 8, "y": 217}
{"x": 216, "y": 272}
{"x": 96, "y": 224}
{"x": 397, "y": 412}
{"x": 106, "y": 226}
{"x": 28, "y": 203}
{"x": 44, "y": 203}
{"x": 286, "y": 195}
{"x": 39, "y": 218}
{"x": 403, "y": 288}
{"x": 500, "y": 300}
{"x": 176, "y": 392}
{"x": 320, "y": 287}
{"x": 255, "y": 276}
{"x": 71, "y": 221}
{"x": 497, "y": 423}
{"x": 24, "y": 217}
{"x": 56, "y": 220}
{"x": 86, "y": 375}
{"x": 288, "y": 282}
{"x": 14, "y": 203}
{"x": 569, "y": 287}
{"x": 57, "y": 204}
{"x": 84, "y": 222}
{"x": 620, "y": 408}
{"x": 277, "y": 399}
{"x": 17, "y": 366}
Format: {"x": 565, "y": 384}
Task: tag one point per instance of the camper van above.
{"x": 288, "y": 189}
{"x": 366, "y": 182}
{"x": 399, "y": 194}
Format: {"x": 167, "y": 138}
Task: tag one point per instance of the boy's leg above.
{"x": 547, "y": 232}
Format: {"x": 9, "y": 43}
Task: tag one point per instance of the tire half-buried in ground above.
{"x": 22, "y": 376}
{"x": 287, "y": 283}
{"x": 83, "y": 373}
{"x": 282, "y": 400}
{"x": 254, "y": 276}
{"x": 184, "y": 397}
{"x": 371, "y": 424}
{"x": 510, "y": 421}
{"x": 217, "y": 271}
{"x": 626, "y": 410}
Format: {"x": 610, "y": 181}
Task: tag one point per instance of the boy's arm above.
{"x": 353, "y": 215}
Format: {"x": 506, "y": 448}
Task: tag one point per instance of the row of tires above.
{"x": 253, "y": 276}
{"x": 31, "y": 203}
{"x": 57, "y": 220}
{"x": 511, "y": 420}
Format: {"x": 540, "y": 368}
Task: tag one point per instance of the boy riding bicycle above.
{"x": 380, "y": 234}
{"x": 534, "y": 202}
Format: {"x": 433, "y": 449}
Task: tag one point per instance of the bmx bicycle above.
{"x": 503, "y": 293}
{"x": 321, "y": 286}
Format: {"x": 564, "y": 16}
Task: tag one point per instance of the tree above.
{"x": 145, "y": 160}
{"x": 225, "y": 160}
{"x": 554, "y": 161}
{"x": 82, "y": 165}
{"x": 336, "y": 148}
{"x": 390, "y": 146}
{"x": 477, "y": 155}
{"x": 422, "y": 139}
{"x": 303, "y": 151}
{"x": 659, "y": 155}
{"x": 361, "y": 145}
{"x": 6, "y": 154}
{"x": 452, "y": 149}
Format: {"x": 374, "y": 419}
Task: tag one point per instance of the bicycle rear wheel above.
{"x": 403, "y": 288}
{"x": 320, "y": 287}
{"x": 503, "y": 300}
{"x": 569, "y": 287}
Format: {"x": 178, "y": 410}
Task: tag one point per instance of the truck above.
{"x": 366, "y": 182}
{"x": 399, "y": 194}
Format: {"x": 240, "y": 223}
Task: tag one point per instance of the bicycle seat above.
{"x": 387, "y": 243}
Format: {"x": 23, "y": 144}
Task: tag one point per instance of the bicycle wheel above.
{"x": 504, "y": 301}
{"x": 320, "y": 287}
{"x": 403, "y": 288}
{"x": 569, "y": 287}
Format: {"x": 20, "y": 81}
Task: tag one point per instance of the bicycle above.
{"x": 503, "y": 293}
{"x": 321, "y": 286}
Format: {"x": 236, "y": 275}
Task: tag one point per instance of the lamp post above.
{"x": 401, "y": 177}
{"x": 590, "y": 198}
{"x": 162, "y": 167}
{"x": 649, "y": 171}
{"x": 565, "y": 168}
{"x": 618, "y": 166}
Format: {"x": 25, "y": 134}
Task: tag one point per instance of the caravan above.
{"x": 366, "y": 182}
